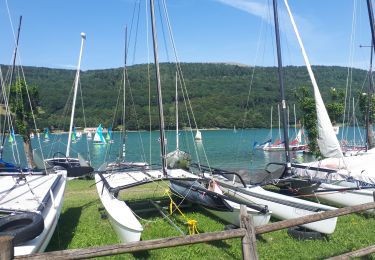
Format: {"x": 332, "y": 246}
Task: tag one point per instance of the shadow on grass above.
{"x": 65, "y": 228}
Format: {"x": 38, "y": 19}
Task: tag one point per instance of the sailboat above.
{"x": 98, "y": 137}
{"x": 198, "y": 136}
{"x": 46, "y": 135}
{"x": 110, "y": 183}
{"x": 12, "y": 138}
{"x": 282, "y": 206}
{"x": 108, "y": 137}
{"x": 342, "y": 178}
{"x": 31, "y": 200}
{"x": 206, "y": 192}
{"x": 75, "y": 166}
{"x": 178, "y": 158}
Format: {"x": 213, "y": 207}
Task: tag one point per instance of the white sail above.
{"x": 329, "y": 146}
{"x": 198, "y": 135}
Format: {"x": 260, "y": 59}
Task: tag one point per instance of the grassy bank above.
{"x": 81, "y": 225}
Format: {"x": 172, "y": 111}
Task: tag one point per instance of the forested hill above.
{"x": 218, "y": 93}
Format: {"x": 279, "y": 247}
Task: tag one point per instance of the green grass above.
{"x": 80, "y": 225}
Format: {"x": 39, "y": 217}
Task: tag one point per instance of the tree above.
{"x": 307, "y": 105}
{"x": 22, "y": 100}
{"x": 335, "y": 109}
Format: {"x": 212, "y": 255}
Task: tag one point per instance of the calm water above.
{"x": 219, "y": 148}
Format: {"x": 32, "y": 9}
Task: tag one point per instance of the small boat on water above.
{"x": 198, "y": 136}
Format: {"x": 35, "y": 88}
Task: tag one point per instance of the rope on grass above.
{"x": 192, "y": 223}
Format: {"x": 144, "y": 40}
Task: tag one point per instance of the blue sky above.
{"x": 233, "y": 31}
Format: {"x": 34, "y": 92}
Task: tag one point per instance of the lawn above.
{"x": 83, "y": 223}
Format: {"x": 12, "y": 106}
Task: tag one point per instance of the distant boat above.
{"x": 89, "y": 135}
{"x": 108, "y": 137}
{"x": 46, "y": 135}
{"x": 234, "y": 129}
{"x": 12, "y": 137}
{"x": 98, "y": 137}
{"x": 198, "y": 136}
{"x": 32, "y": 135}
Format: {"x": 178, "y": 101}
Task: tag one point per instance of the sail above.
{"x": 198, "y": 135}
{"x": 46, "y": 134}
{"x": 12, "y": 138}
{"x": 98, "y": 137}
{"x": 328, "y": 144}
{"x": 74, "y": 135}
{"x": 109, "y": 135}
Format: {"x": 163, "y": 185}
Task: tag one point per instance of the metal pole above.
{"x": 83, "y": 38}
{"x": 10, "y": 84}
{"x": 282, "y": 91}
{"x": 160, "y": 98}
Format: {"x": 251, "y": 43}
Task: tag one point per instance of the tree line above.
{"x": 221, "y": 95}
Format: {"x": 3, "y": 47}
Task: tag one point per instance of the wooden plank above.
{"x": 194, "y": 239}
{"x": 313, "y": 217}
{"x": 136, "y": 246}
{"x": 249, "y": 243}
{"x": 6, "y": 248}
{"x": 357, "y": 253}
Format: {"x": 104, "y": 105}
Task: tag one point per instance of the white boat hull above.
{"x": 285, "y": 207}
{"x": 233, "y": 217}
{"x": 20, "y": 198}
{"x": 344, "y": 198}
{"x": 123, "y": 221}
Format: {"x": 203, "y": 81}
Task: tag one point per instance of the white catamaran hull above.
{"x": 47, "y": 190}
{"x": 233, "y": 217}
{"x": 344, "y": 198}
{"x": 125, "y": 224}
{"x": 285, "y": 207}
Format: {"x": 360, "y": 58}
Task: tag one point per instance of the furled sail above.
{"x": 328, "y": 144}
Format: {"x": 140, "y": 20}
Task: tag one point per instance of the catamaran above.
{"x": 30, "y": 200}
{"x": 110, "y": 183}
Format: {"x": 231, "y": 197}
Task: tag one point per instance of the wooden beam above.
{"x": 136, "y": 246}
{"x": 313, "y": 218}
{"x": 357, "y": 253}
{"x": 249, "y": 243}
{"x": 6, "y": 248}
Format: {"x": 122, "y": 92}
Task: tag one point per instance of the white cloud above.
{"x": 257, "y": 8}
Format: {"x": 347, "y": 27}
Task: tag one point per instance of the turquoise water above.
{"x": 219, "y": 148}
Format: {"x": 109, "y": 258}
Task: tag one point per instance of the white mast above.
{"x": 83, "y": 38}
{"x": 177, "y": 141}
{"x": 328, "y": 144}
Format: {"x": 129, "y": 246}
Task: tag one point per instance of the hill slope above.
{"x": 218, "y": 93}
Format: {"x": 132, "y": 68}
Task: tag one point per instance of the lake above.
{"x": 219, "y": 148}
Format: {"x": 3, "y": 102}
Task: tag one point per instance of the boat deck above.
{"x": 26, "y": 194}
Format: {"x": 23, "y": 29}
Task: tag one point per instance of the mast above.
{"x": 177, "y": 139}
{"x": 160, "y": 98}
{"x": 83, "y": 38}
{"x": 10, "y": 83}
{"x": 369, "y": 132}
{"x": 282, "y": 91}
{"x": 124, "y": 104}
{"x": 369, "y": 137}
